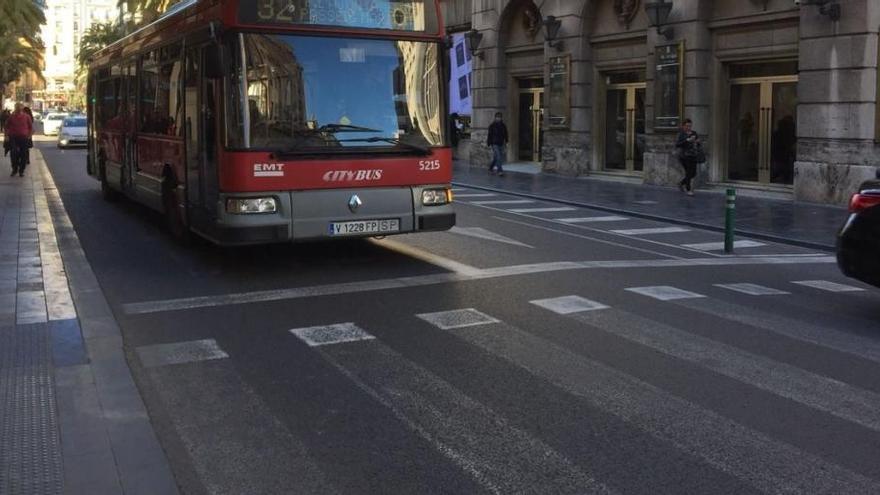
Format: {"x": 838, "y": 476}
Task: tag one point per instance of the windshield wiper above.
{"x": 344, "y": 128}
{"x": 422, "y": 150}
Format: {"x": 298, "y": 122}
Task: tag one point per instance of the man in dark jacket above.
{"x": 497, "y": 140}
{"x": 687, "y": 139}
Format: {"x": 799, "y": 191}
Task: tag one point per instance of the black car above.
{"x": 858, "y": 244}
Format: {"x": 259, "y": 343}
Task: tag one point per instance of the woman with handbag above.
{"x": 690, "y": 154}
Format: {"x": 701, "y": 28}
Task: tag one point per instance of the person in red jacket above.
{"x": 19, "y": 130}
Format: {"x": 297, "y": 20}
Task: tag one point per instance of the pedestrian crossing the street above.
{"x": 493, "y": 449}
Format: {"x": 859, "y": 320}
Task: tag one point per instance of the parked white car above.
{"x": 52, "y": 123}
{"x": 73, "y": 132}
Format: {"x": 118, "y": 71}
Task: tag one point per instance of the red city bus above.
{"x": 257, "y": 121}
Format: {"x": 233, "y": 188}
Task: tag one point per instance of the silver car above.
{"x": 73, "y": 132}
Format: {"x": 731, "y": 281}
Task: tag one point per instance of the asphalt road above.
{"x": 531, "y": 350}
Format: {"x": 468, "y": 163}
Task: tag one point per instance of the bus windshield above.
{"x": 318, "y": 94}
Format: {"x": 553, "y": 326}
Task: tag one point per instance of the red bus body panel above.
{"x": 257, "y": 171}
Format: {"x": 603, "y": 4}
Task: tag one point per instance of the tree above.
{"x": 20, "y": 45}
{"x": 96, "y": 37}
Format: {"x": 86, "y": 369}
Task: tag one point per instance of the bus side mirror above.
{"x": 214, "y": 64}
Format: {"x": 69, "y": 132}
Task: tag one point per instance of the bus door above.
{"x": 128, "y": 122}
{"x": 200, "y": 100}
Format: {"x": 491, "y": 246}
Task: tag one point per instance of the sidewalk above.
{"x": 71, "y": 418}
{"x": 804, "y": 224}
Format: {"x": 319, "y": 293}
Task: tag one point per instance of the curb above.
{"x": 659, "y": 218}
{"x": 108, "y": 441}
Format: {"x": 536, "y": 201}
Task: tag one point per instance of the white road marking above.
{"x": 217, "y": 413}
{"x": 752, "y": 289}
{"x": 610, "y": 218}
{"x": 651, "y": 231}
{"x": 828, "y": 286}
{"x": 331, "y": 334}
{"x": 719, "y": 246}
{"x": 863, "y": 347}
{"x": 753, "y": 457}
{"x": 146, "y": 307}
{"x": 568, "y": 304}
{"x": 832, "y": 396}
{"x": 542, "y": 210}
{"x": 665, "y": 292}
{"x": 481, "y": 233}
{"x": 475, "y": 195}
{"x": 500, "y": 457}
{"x": 503, "y": 202}
{"x": 458, "y": 318}
{"x": 428, "y": 257}
{"x": 645, "y": 202}
{"x": 156, "y": 355}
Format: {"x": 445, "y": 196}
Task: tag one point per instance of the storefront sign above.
{"x": 669, "y": 86}
{"x": 560, "y": 99}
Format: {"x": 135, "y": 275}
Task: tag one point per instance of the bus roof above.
{"x": 194, "y": 15}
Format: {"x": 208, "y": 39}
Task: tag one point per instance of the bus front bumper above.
{"x": 326, "y": 214}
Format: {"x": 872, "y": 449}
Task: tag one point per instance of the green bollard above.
{"x": 729, "y": 216}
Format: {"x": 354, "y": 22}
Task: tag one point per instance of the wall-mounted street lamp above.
{"x": 829, "y": 8}
{"x": 551, "y": 31}
{"x": 658, "y": 13}
{"x": 472, "y": 39}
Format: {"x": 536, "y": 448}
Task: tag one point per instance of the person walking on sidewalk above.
{"x": 19, "y": 130}
{"x": 497, "y": 140}
{"x": 690, "y": 154}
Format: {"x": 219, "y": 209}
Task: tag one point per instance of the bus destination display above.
{"x": 402, "y": 15}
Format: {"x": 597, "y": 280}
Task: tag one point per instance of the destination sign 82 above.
{"x": 404, "y": 15}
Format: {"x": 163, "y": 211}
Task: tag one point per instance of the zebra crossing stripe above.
{"x": 719, "y": 246}
{"x": 338, "y": 333}
{"x": 828, "y": 286}
{"x": 542, "y": 210}
{"x": 819, "y": 392}
{"x": 457, "y": 318}
{"x": 664, "y": 292}
{"x": 752, "y": 457}
{"x": 568, "y": 304}
{"x": 863, "y": 347}
{"x": 650, "y": 231}
{"x": 501, "y": 457}
{"x": 503, "y": 202}
{"x": 752, "y": 289}
{"x": 156, "y": 355}
{"x": 609, "y": 218}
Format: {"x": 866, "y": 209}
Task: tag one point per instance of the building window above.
{"x": 55, "y": 50}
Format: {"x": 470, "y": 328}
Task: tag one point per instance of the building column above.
{"x": 837, "y": 93}
{"x": 689, "y": 20}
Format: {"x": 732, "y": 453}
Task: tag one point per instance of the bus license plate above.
{"x": 365, "y": 227}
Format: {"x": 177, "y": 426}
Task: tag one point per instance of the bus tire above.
{"x": 107, "y": 192}
{"x": 173, "y": 214}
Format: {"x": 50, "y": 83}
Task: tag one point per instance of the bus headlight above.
{"x": 244, "y": 206}
{"x": 434, "y": 197}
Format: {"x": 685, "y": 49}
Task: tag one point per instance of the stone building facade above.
{"x": 785, "y": 96}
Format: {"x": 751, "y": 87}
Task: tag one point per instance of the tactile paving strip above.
{"x": 30, "y": 454}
